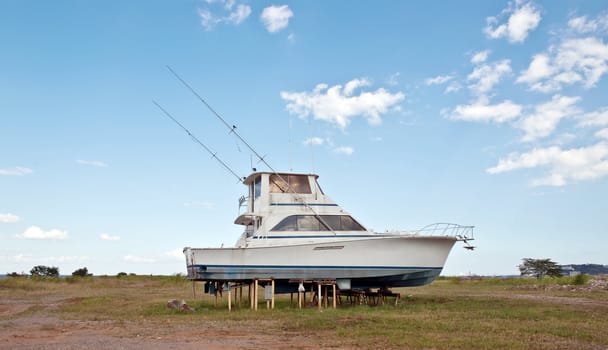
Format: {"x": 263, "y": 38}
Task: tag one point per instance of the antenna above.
{"x": 195, "y": 139}
{"x": 311, "y": 146}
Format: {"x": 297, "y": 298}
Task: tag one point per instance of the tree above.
{"x": 82, "y": 272}
{"x": 15, "y": 274}
{"x": 44, "y": 271}
{"x": 539, "y": 268}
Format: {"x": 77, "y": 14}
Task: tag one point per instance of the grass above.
{"x": 451, "y": 313}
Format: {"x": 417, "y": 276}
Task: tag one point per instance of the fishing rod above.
{"x": 195, "y": 139}
{"x": 232, "y": 129}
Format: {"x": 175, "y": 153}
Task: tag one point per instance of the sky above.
{"x": 484, "y": 113}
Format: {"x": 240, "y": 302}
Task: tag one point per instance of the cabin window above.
{"x": 289, "y": 183}
{"x": 347, "y": 223}
{"x": 257, "y": 187}
{"x": 312, "y": 223}
{"x": 290, "y": 223}
{"x": 333, "y": 221}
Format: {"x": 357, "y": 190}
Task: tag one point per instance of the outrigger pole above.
{"x": 232, "y": 128}
{"x": 195, "y": 139}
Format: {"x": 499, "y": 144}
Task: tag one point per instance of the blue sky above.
{"x": 483, "y": 113}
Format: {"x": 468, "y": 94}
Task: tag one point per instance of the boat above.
{"x": 294, "y": 232}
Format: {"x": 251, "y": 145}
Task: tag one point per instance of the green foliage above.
{"x": 15, "y": 274}
{"x": 82, "y": 272}
{"x": 539, "y": 268}
{"x": 580, "y": 279}
{"x": 44, "y": 271}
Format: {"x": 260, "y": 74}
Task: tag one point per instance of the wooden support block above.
{"x": 229, "y": 299}
{"x": 319, "y": 297}
{"x": 334, "y": 295}
{"x": 255, "y": 292}
{"x": 272, "y": 300}
{"x": 250, "y": 295}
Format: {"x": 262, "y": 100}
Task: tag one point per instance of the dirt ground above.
{"x": 43, "y": 330}
{"x": 28, "y": 323}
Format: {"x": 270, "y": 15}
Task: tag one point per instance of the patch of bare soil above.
{"x": 598, "y": 283}
{"x": 32, "y": 326}
{"x": 562, "y": 300}
{"x": 39, "y": 331}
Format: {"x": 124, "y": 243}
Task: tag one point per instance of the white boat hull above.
{"x": 384, "y": 261}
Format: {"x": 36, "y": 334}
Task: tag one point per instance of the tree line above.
{"x": 50, "y": 271}
{"x": 538, "y": 268}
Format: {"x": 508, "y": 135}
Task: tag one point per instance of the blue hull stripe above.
{"x": 320, "y": 236}
{"x": 318, "y": 267}
{"x": 302, "y": 204}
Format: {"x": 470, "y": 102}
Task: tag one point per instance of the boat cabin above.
{"x": 283, "y": 203}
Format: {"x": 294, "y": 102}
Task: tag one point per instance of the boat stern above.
{"x": 191, "y": 269}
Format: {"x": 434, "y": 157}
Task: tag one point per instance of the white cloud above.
{"x": 338, "y": 105}
{"x": 21, "y": 257}
{"x": 234, "y": 15}
{"x": 587, "y": 57}
{"x": 583, "y": 60}
{"x": 107, "y": 237}
{"x": 603, "y": 133}
{"x": 138, "y": 259}
{"x": 393, "y": 79}
{"x": 480, "y": 57}
{"x": 582, "y": 25}
{"x": 276, "y": 18}
{"x": 565, "y": 166}
{"x": 9, "y": 218}
{"x": 93, "y": 163}
{"x": 354, "y": 84}
{"x": 595, "y": 118}
{"x": 17, "y": 171}
{"x": 521, "y": 21}
{"x": 485, "y": 76}
{"x": 452, "y": 87}
{"x": 563, "y": 139}
{"x": 539, "y": 68}
{"x": 176, "y": 254}
{"x": 438, "y": 80}
{"x": 546, "y": 116}
{"x": 482, "y": 111}
{"x": 35, "y": 232}
{"x": 344, "y": 150}
{"x": 314, "y": 141}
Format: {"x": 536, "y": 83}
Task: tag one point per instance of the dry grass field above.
{"x": 130, "y": 312}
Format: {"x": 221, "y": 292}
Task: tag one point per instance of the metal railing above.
{"x": 461, "y": 232}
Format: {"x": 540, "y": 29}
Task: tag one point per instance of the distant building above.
{"x": 589, "y": 269}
